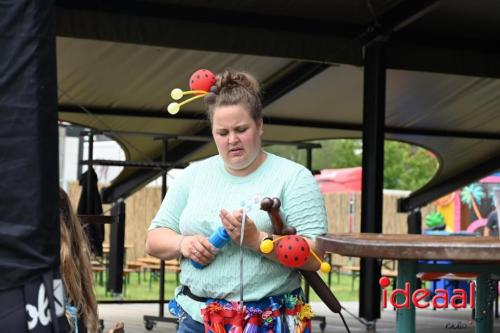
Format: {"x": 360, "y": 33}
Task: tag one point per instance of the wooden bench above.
{"x": 99, "y": 271}
{"x": 153, "y": 266}
{"x": 136, "y": 266}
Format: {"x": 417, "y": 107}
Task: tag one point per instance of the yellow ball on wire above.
{"x": 266, "y": 246}
{"x": 325, "y": 267}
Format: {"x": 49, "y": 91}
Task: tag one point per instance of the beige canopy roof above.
{"x": 117, "y": 66}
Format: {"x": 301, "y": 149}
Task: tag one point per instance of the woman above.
{"x": 76, "y": 272}
{"x": 217, "y": 192}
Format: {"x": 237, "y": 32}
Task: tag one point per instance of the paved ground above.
{"x": 438, "y": 321}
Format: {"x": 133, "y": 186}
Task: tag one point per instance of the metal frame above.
{"x": 279, "y": 122}
{"x": 135, "y": 164}
{"x": 150, "y": 321}
{"x": 142, "y": 177}
{"x": 397, "y": 18}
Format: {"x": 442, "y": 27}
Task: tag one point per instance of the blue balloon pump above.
{"x": 218, "y": 239}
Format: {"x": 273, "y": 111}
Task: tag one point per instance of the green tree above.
{"x": 344, "y": 153}
{"x": 406, "y": 167}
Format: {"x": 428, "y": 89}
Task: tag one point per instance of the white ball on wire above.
{"x": 173, "y": 108}
{"x": 176, "y": 94}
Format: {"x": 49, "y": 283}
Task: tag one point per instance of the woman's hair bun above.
{"x": 231, "y": 79}
{"x": 234, "y": 88}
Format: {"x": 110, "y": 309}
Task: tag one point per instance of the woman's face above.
{"x": 238, "y": 138}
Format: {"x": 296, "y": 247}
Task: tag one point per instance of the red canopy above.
{"x": 339, "y": 180}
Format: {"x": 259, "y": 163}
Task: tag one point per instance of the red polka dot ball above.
{"x": 202, "y": 79}
{"x": 292, "y": 251}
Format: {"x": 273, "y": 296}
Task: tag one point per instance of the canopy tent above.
{"x": 339, "y": 180}
{"x": 433, "y": 74}
{"x": 493, "y": 178}
{"x": 117, "y": 65}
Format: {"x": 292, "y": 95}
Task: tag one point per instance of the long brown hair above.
{"x": 76, "y": 269}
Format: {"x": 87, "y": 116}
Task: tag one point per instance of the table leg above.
{"x": 484, "y": 308}
{"x": 496, "y": 299}
{"x": 405, "y": 317}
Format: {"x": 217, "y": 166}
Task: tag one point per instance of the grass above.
{"x": 144, "y": 290}
{"x": 148, "y": 288}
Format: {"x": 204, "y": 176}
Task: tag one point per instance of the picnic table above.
{"x": 418, "y": 253}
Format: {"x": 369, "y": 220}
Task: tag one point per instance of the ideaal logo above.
{"x": 458, "y": 299}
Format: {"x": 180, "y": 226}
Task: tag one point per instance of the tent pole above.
{"x": 373, "y": 174}
{"x": 90, "y": 154}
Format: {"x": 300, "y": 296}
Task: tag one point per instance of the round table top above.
{"x": 406, "y": 246}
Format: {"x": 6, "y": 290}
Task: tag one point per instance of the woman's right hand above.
{"x": 198, "y": 248}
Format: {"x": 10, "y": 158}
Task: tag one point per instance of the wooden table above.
{"x": 479, "y": 255}
{"x": 156, "y": 261}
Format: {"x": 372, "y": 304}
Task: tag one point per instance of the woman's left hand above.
{"x": 232, "y": 224}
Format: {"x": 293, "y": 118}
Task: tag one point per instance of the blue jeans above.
{"x": 188, "y": 325}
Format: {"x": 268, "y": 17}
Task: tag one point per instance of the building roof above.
{"x": 118, "y": 61}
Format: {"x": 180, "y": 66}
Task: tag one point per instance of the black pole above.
{"x": 163, "y": 193}
{"x": 415, "y": 222}
{"x": 373, "y": 173}
{"x": 90, "y": 192}
{"x": 309, "y": 158}
{"x": 309, "y": 166}
{"x": 116, "y": 249}
{"x": 164, "y": 174}
{"x": 80, "y": 156}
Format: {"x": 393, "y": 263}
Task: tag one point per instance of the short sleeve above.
{"x": 172, "y": 206}
{"x": 303, "y": 205}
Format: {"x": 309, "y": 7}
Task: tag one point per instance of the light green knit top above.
{"x": 192, "y": 206}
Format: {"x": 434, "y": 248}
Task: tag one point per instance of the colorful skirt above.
{"x": 287, "y": 313}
